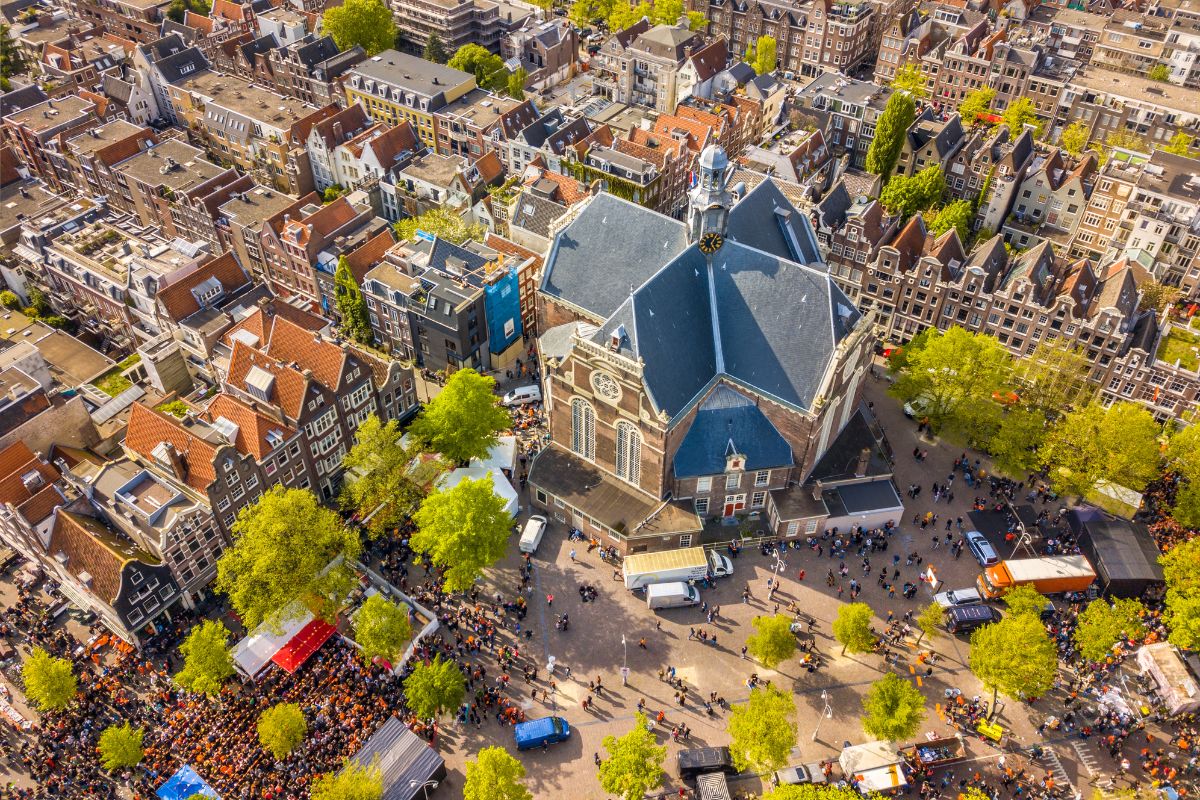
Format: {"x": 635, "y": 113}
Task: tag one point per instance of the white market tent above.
{"x": 502, "y": 456}
{"x": 1175, "y": 683}
{"x": 500, "y": 484}
{"x": 873, "y": 767}
{"x": 252, "y": 654}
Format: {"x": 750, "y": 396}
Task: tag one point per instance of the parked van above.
{"x": 965, "y": 619}
{"x": 671, "y": 595}
{"x": 522, "y": 395}
{"x": 704, "y": 760}
{"x": 539, "y": 732}
{"x": 531, "y": 537}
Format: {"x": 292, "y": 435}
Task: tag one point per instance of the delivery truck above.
{"x": 1050, "y": 575}
{"x": 664, "y": 566}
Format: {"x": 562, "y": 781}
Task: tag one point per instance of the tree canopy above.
{"x": 930, "y": 620}
{"x": 379, "y": 485}
{"x": 434, "y": 688}
{"x": 382, "y": 629}
{"x": 1015, "y": 656}
{"x": 957, "y": 215}
{"x": 495, "y": 775}
{"x": 761, "y": 55}
{"x": 367, "y": 23}
{"x": 1025, "y": 599}
{"x": 281, "y": 729}
{"x": 464, "y": 420}
{"x": 351, "y": 305}
{"x": 893, "y": 709}
{"x": 1014, "y": 446}
{"x": 1160, "y": 73}
{"x": 1117, "y": 444}
{"x": 852, "y": 627}
{"x": 1075, "y": 138}
{"x": 977, "y": 103}
{"x": 634, "y": 763}
{"x": 435, "y": 50}
{"x": 120, "y": 747}
{"x": 283, "y": 547}
{"x": 353, "y": 782}
{"x": 1180, "y": 144}
{"x": 487, "y": 67}
{"x": 1183, "y": 456}
{"x": 1102, "y": 624}
{"x": 763, "y": 730}
{"x": 906, "y": 196}
{"x": 812, "y": 791}
{"x": 442, "y": 223}
{"x": 1054, "y": 379}
{"x": 910, "y": 78}
{"x": 1022, "y": 112}
{"x": 49, "y": 681}
{"x": 463, "y": 529}
{"x": 207, "y": 663}
{"x": 516, "y": 83}
{"x": 897, "y": 117}
{"x": 1181, "y": 570}
{"x": 773, "y": 641}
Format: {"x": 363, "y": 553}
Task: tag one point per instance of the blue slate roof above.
{"x": 730, "y": 423}
{"x": 765, "y": 220}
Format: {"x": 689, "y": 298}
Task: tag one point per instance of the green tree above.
{"x": 765, "y": 49}
{"x": 49, "y": 681}
{"x": 666, "y": 12}
{"x": 382, "y": 629}
{"x": 177, "y": 10}
{"x": 697, "y": 21}
{"x": 487, "y": 67}
{"x": 434, "y": 688}
{"x": 957, "y": 215}
{"x": 906, "y": 196}
{"x": 1055, "y": 378}
{"x": 1102, "y": 625}
{"x": 379, "y": 486}
{"x": 367, "y": 23}
{"x": 1157, "y": 296}
{"x": 622, "y": 15}
{"x": 1015, "y": 656}
{"x": 463, "y": 529}
{"x": 585, "y": 13}
{"x": 1127, "y": 140}
{"x": 353, "y": 782}
{"x": 435, "y": 50}
{"x": 910, "y": 78}
{"x": 442, "y": 223}
{"x": 1022, "y": 112}
{"x": 1075, "y": 138}
{"x": 897, "y": 117}
{"x": 930, "y": 620}
{"x": 463, "y": 421}
{"x": 898, "y": 361}
{"x": 852, "y": 627}
{"x": 120, "y": 747}
{"x": 281, "y": 729}
{"x": 812, "y": 791}
{"x": 976, "y": 104}
{"x": 1118, "y": 444}
{"x": 1014, "y": 447}
{"x": 1160, "y": 73}
{"x": 333, "y": 193}
{"x": 495, "y": 775}
{"x": 634, "y": 763}
{"x": 206, "y": 660}
{"x": 1183, "y": 456}
{"x": 1025, "y": 599}
{"x": 893, "y": 709}
{"x": 351, "y": 305}
{"x": 763, "y": 730}
{"x": 12, "y": 60}
{"x": 1180, "y": 144}
{"x": 1181, "y": 570}
{"x": 952, "y": 375}
{"x": 10, "y": 300}
{"x": 283, "y": 547}
{"x": 516, "y": 83}
{"x": 773, "y": 641}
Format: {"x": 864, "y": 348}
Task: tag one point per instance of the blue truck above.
{"x": 540, "y": 732}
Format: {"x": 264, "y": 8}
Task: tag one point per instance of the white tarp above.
{"x": 1173, "y": 679}
{"x": 502, "y": 456}
{"x": 252, "y": 654}
{"x": 500, "y": 484}
{"x": 873, "y": 767}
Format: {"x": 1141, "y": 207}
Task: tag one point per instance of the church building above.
{"x": 697, "y": 373}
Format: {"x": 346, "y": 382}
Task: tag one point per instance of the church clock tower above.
{"x": 709, "y": 200}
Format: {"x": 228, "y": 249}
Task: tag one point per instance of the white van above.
{"x": 531, "y": 537}
{"x": 522, "y": 395}
{"x": 671, "y": 595}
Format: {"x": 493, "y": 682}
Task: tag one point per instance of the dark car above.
{"x": 705, "y": 759}
{"x": 965, "y": 619}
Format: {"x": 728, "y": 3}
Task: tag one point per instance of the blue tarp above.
{"x": 183, "y": 784}
{"x": 502, "y": 303}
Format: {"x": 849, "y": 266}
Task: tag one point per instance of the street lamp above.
{"x": 826, "y": 712}
{"x": 425, "y": 787}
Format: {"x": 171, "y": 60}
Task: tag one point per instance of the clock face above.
{"x": 711, "y": 242}
{"x": 606, "y": 386}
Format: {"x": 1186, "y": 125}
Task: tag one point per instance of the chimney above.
{"x": 337, "y": 132}
{"x": 864, "y": 458}
{"x": 178, "y": 465}
{"x": 818, "y": 488}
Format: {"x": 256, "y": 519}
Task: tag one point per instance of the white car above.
{"x": 958, "y": 597}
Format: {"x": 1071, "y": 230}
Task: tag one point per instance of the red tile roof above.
{"x": 178, "y": 299}
{"x": 253, "y": 425}
{"x": 290, "y": 343}
{"x": 500, "y": 244}
{"x": 258, "y": 322}
{"x": 13, "y": 456}
{"x": 12, "y": 486}
{"x": 93, "y": 548}
{"x": 369, "y": 254}
{"x": 41, "y": 505}
{"x": 148, "y": 428}
{"x": 290, "y": 385}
